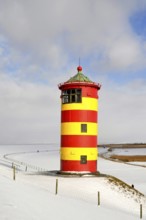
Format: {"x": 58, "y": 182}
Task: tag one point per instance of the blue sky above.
{"x": 40, "y": 46}
{"x": 138, "y": 22}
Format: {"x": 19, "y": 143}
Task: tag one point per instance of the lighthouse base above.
{"x": 77, "y": 167}
{"x": 78, "y": 174}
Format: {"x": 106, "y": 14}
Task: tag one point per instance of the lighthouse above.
{"x": 79, "y": 124}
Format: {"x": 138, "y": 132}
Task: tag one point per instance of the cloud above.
{"x": 53, "y": 31}
{"x": 28, "y": 113}
{"x": 40, "y": 43}
{"x": 122, "y": 112}
{"x": 125, "y": 53}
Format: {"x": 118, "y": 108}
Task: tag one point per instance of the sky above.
{"x": 41, "y": 42}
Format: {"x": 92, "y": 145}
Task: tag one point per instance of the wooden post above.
{"x": 140, "y": 211}
{"x": 56, "y": 191}
{"x": 98, "y": 196}
{"x": 14, "y": 172}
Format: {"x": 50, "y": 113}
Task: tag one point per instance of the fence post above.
{"x": 98, "y": 196}
{"x": 140, "y": 211}
{"x": 14, "y": 172}
{"x": 56, "y": 191}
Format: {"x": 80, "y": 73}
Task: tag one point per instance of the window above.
{"x": 71, "y": 96}
{"x": 84, "y": 128}
{"x": 65, "y": 99}
{"x": 83, "y": 159}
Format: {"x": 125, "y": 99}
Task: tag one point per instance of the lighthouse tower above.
{"x": 79, "y": 111}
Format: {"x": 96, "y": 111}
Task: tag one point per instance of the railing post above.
{"x": 56, "y": 190}
{"x": 140, "y": 211}
{"x": 98, "y": 198}
{"x": 14, "y": 172}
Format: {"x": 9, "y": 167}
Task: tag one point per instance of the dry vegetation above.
{"x": 128, "y": 158}
{"x": 125, "y": 189}
{"x": 135, "y": 145}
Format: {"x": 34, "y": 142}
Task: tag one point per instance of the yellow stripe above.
{"x": 74, "y": 128}
{"x": 68, "y": 153}
{"x": 87, "y": 104}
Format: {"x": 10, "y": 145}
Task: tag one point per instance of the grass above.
{"x": 123, "y": 187}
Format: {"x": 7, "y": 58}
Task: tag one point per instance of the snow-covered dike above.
{"x": 25, "y": 201}
{"x": 32, "y": 196}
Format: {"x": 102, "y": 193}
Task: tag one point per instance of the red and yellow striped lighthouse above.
{"x": 79, "y": 111}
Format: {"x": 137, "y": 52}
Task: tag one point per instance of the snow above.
{"x": 129, "y": 151}
{"x": 32, "y": 196}
{"x": 138, "y": 163}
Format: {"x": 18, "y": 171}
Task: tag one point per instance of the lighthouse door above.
{"x": 83, "y": 159}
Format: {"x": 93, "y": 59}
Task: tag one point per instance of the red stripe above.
{"x": 79, "y": 116}
{"x": 87, "y": 91}
{"x": 78, "y": 141}
{"x": 90, "y": 90}
{"x": 70, "y": 165}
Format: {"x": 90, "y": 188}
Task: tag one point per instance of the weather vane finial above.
{"x": 79, "y": 68}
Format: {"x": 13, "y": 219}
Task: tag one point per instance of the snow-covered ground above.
{"x": 129, "y": 151}
{"x": 32, "y": 196}
{"x": 124, "y": 151}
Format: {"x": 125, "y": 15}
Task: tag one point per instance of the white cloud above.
{"x": 42, "y": 40}
{"x": 125, "y": 53}
{"x": 122, "y": 112}
{"x": 53, "y": 30}
{"x": 28, "y": 113}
